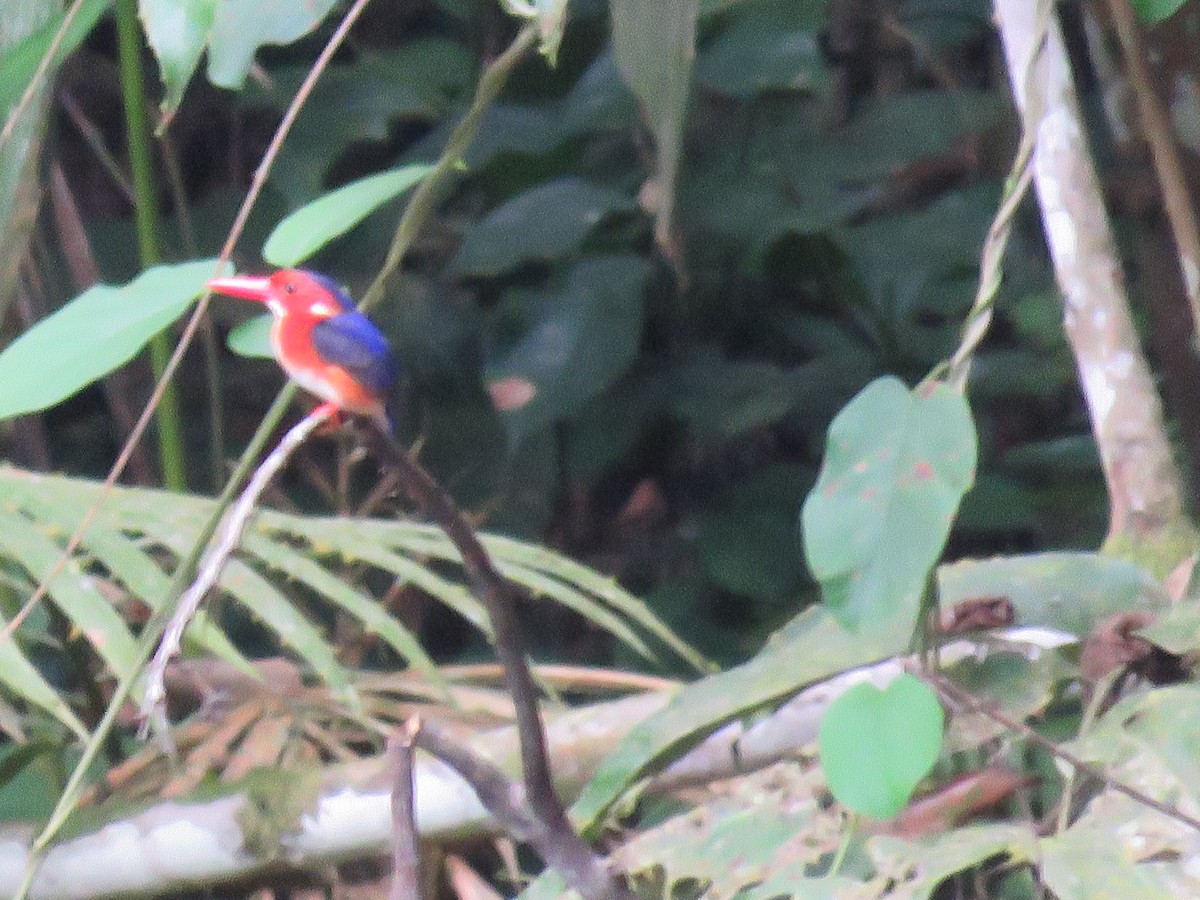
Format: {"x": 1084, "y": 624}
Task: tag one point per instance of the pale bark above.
{"x": 1144, "y": 484}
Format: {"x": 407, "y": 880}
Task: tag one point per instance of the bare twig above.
{"x": 504, "y": 798}
{"x": 95, "y": 141}
{"x": 406, "y": 847}
{"x": 966, "y": 701}
{"x": 566, "y": 850}
{"x": 154, "y": 712}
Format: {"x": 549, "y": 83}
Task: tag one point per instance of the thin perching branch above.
{"x": 154, "y": 708}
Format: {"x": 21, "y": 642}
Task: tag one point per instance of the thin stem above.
{"x": 835, "y": 867}
{"x": 145, "y": 211}
{"x": 434, "y": 186}
{"x": 1163, "y": 152}
{"x": 964, "y": 699}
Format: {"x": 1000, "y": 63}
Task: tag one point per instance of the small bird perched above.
{"x": 321, "y": 340}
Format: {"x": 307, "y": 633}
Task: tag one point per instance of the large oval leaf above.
{"x": 101, "y": 329}
{"x": 544, "y": 222}
{"x": 576, "y": 342}
{"x": 240, "y": 27}
{"x": 875, "y": 745}
{"x": 311, "y": 227}
{"x": 897, "y": 464}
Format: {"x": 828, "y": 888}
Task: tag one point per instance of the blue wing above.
{"x": 352, "y": 341}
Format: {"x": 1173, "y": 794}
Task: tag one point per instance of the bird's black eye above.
{"x": 289, "y": 287}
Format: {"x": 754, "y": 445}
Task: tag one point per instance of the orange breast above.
{"x": 291, "y": 339}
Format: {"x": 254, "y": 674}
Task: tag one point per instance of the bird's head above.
{"x": 288, "y": 292}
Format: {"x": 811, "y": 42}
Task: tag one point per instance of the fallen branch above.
{"x": 350, "y": 816}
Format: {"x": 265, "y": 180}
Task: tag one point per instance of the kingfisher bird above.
{"x": 326, "y": 345}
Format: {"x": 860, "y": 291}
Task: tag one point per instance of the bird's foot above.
{"x": 333, "y": 418}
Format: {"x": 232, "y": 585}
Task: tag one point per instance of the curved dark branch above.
{"x": 572, "y": 857}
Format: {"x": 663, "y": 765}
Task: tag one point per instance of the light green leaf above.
{"x": 98, "y": 331}
{"x": 812, "y": 647}
{"x": 240, "y": 27}
{"x": 365, "y": 609}
{"x": 654, "y": 43}
{"x": 177, "y": 31}
{"x": 897, "y": 464}
{"x": 876, "y": 745}
{"x": 26, "y": 33}
{"x": 1065, "y": 591}
{"x": 19, "y": 63}
{"x": 311, "y": 227}
{"x": 74, "y": 592}
{"x": 124, "y": 559}
{"x": 252, "y": 338}
{"x": 1154, "y": 11}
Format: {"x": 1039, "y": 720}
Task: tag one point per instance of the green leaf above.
{"x": 373, "y": 616}
{"x": 1154, "y": 11}
{"x": 19, "y": 63}
{"x": 26, "y": 34}
{"x": 252, "y": 338}
{"x": 728, "y": 845}
{"x": 928, "y": 861}
{"x": 240, "y": 27}
{"x": 311, "y": 227}
{"x": 876, "y": 745}
{"x": 177, "y": 31}
{"x": 812, "y": 647}
{"x": 20, "y": 676}
{"x": 545, "y": 222}
{"x": 575, "y": 342}
{"x": 748, "y": 541}
{"x": 74, "y": 592}
{"x": 98, "y": 331}
{"x": 123, "y": 557}
{"x": 1068, "y": 592}
{"x": 721, "y": 399}
{"x": 897, "y": 464}
{"x": 654, "y": 42}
